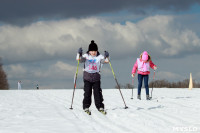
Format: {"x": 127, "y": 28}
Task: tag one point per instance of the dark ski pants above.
{"x": 97, "y": 92}
{"x": 140, "y": 79}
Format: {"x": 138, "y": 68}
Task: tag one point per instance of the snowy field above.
{"x": 47, "y": 111}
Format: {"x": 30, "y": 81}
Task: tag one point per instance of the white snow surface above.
{"x": 47, "y": 111}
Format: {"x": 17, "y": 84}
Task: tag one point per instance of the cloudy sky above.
{"x": 39, "y": 39}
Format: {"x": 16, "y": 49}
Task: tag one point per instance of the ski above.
{"x": 103, "y": 112}
{"x": 88, "y": 112}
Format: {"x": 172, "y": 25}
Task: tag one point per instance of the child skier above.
{"x": 93, "y": 61}
{"x": 142, "y": 66}
{"x": 37, "y": 87}
{"x": 19, "y": 85}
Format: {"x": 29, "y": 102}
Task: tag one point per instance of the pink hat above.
{"x": 145, "y": 56}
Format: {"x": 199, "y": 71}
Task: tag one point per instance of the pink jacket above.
{"x": 135, "y": 67}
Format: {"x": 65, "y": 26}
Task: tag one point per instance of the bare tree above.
{"x": 128, "y": 86}
{"x": 3, "y": 78}
{"x": 164, "y": 84}
{"x": 167, "y": 84}
{"x": 119, "y": 87}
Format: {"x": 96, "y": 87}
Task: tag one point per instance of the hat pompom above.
{"x": 93, "y": 46}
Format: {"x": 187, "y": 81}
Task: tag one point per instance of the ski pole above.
{"x": 117, "y": 83}
{"x": 153, "y": 83}
{"x": 75, "y": 83}
{"x": 132, "y": 88}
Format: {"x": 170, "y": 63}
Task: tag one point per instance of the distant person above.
{"x": 19, "y": 85}
{"x": 37, "y": 86}
{"x": 142, "y": 65}
{"x": 91, "y": 76}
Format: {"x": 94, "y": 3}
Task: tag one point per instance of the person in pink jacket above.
{"x": 142, "y": 66}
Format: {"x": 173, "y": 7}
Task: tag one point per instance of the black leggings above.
{"x": 97, "y": 91}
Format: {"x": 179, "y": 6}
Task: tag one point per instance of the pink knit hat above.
{"x": 145, "y": 56}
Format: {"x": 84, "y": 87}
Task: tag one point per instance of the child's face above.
{"x": 93, "y": 53}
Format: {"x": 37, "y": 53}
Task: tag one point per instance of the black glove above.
{"x": 106, "y": 54}
{"x": 80, "y": 51}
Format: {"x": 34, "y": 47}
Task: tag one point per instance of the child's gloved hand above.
{"x": 80, "y": 51}
{"x": 133, "y": 75}
{"x": 106, "y": 54}
{"x": 155, "y": 68}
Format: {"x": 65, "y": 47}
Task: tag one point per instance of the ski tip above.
{"x": 88, "y": 112}
{"x": 103, "y": 112}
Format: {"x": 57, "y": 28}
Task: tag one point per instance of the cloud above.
{"x": 23, "y": 11}
{"x": 174, "y": 76}
{"x": 45, "y": 74}
{"x": 59, "y": 70}
{"x": 16, "y": 71}
{"x": 167, "y": 37}
{"x": 168, "y": 75}
{"x": 48, "y": 40}
{"x": 38, "y": 41}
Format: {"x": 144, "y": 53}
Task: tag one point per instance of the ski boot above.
{"x": 139, "y": 97}
{"x": 102, "y": 111}
{"x": 87, "y": 111}
{"x": 148, "y": 98}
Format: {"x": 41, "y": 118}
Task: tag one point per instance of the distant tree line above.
{"x": 126, "y": 86}
{"x": 164, "y": 84}
{"x": 180, "y": 84}
{"x": 3, "y": 79}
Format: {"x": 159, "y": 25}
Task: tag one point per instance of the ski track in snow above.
{"x": 47, "y": 111}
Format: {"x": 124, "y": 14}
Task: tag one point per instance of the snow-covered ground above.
{"x": 47, "y": 111}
